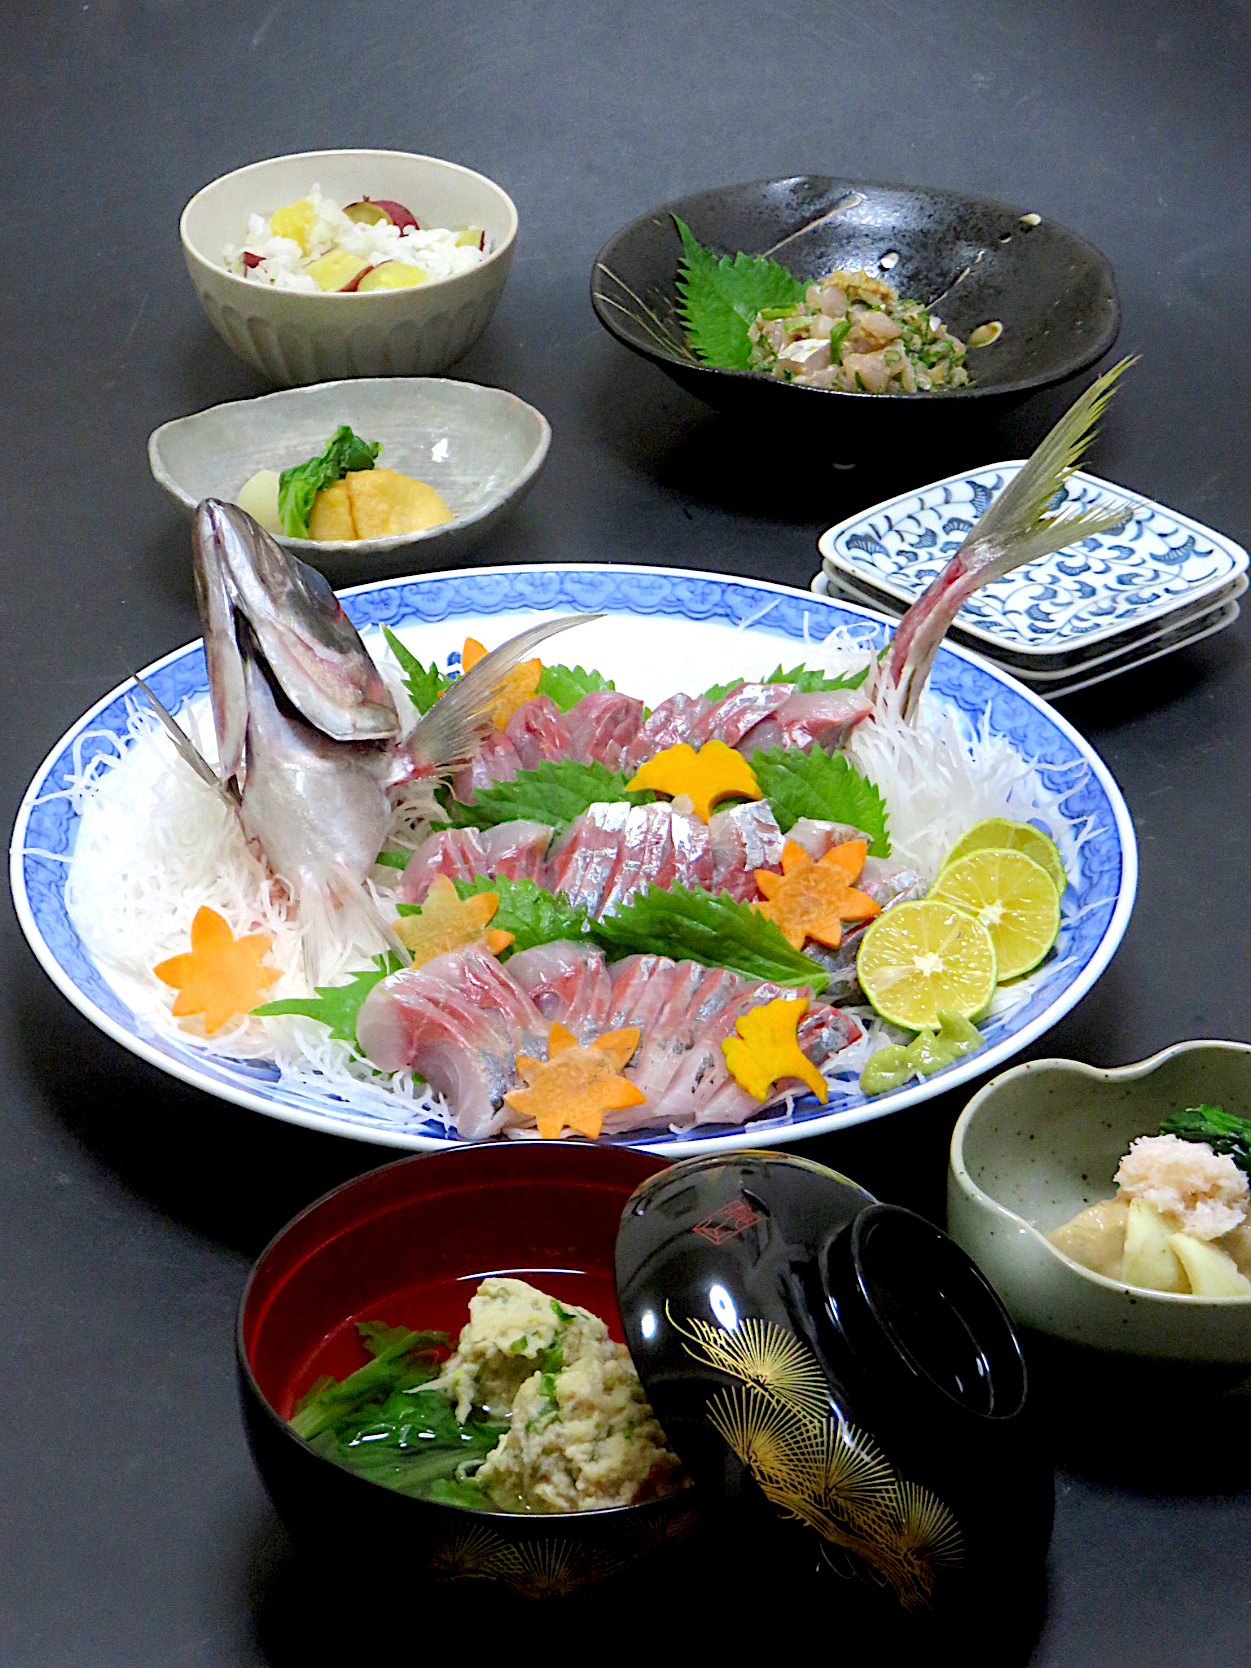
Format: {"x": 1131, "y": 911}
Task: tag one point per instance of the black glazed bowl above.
{"x": 971, "y": 259}
{"x": 842, "y": 1384}
{"x": 407, "y": 1244}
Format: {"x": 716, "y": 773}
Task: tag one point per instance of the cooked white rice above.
{"x": 435, "y": 250}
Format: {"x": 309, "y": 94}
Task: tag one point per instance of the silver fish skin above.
{"x": 318, "y": 808}
{"x": 313, "y": 650}
{"x": 308, "y": 734}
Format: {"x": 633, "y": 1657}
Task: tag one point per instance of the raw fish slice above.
{"x": 824, "y": 719}
{"x": 744, "y": 838}
{"x": 582, "y": 864}
{"x": 737, "y": 714}
{"x": 601, "y": 726}
{"x": 823, "y": 1033}
{"x": 646, "y": 852}
{"x": 568, "y": 982}
{"x": 817, "y": 837}
{"x": 640, "y": 989}
{"x": 538, "y": 732}
{"x": 512, "y": 850}
{"x": 668, "y": 1039}
{"x": 495, "y": 761}
{"x": 670, "y": 723}
{"x": 459, "y": 1021}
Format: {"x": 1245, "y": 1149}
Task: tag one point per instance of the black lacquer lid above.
{"x": 837, "y": 1376}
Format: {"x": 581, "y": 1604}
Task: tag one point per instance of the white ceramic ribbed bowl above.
{"x": 294, "y": 337}
{"x": 1041, "y": 1142}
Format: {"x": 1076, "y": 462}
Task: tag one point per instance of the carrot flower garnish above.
{"x": 813, "y": 900}
{"x": 766, "y": 1049}
{"x": 222, "y": 975}
{"x": 575, "y": 1086}
{"x": 447, "y": 921}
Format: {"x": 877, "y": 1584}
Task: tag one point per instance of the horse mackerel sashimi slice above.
{"x": 462, "y": 1019}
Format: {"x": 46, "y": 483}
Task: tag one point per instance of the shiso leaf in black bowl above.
{"x": 972, "y": 261}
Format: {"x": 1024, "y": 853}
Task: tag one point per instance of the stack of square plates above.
{"x": 1102, "y": 606}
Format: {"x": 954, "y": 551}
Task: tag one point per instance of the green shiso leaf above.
{"x": 393, "y": 859}
{"x": 531, "y": 914}
{"x": 555, "y": 791}
{"x": 810, "y": 682}
{"x": 338, "y": 1005}
{"x": 566, "y": 685}
{"x": 689, "y": 924}
{"x": 1222, "y": 1131}
{"x": 718, "y": 299}
{"x": 424, "y": 683}
{"x": 299, "y": 485}
{"x": 821, "y": 785}
{"x": 805, "y": 679}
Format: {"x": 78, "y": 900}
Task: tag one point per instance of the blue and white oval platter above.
{"x": 664, "y": 630}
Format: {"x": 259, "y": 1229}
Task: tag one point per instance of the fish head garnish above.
{"x": 312, "y": 649}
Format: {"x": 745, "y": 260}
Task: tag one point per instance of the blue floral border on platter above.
{"x": 1095, "y": 908}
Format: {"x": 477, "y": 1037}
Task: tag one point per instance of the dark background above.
{"x": 132, "y": 1526}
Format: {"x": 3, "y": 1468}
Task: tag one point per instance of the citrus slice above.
{"x": 1004, "y": 835}
{"x": 919, "y": 957}
{"x": 1012, "y": 896}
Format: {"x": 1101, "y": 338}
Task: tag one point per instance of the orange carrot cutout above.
{"x": 521, "y": 684}
{"x": 575, "y": 1086}
{"x": 716, "y": 772}
{"x": 448, "y": 922}
{"x": 813, "y": 900}
{"x": 766, "y": 1049}
{"x": 222, "y": 975}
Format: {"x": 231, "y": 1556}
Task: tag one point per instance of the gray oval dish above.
{"x": 480, "y": 448}
{"x": 972, "y": 260}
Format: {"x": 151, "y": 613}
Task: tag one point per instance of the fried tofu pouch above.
{"x": 373, "y": 504}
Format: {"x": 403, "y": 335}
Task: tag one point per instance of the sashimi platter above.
{"x": 621, "y": 853}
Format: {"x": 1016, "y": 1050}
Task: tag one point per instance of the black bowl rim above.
{"x": 1094, "y": 351}
{"x": 533, "y": 1523}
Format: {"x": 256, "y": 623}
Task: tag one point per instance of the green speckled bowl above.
{"x": 1041, "y": 1142}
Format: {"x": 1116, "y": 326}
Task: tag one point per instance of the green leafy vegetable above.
{"x": 393, "y": 859}
{"x": 381, "y": 1422}
{"x": 811, "y": 682}
{"x": 566, "y": 685}
{"x": 718, "y": 299}
{"x": 399, "y": 1357}
{"x": 424, "y": 683}
{"x": 821, "y": 785}
{"x": 531, "y": 914}
{"x": 338, "y": 1005}
{"x": 806, "y": 680}
{"x": 1222, "y": 1131}
{"x": 689, "y": 924}
{"x": 299, "y": 485}
{"x": 555, "y": 791}
{"x": 565, "y": 1316}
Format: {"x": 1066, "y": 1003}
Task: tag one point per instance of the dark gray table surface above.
{"x": 133, "y": 1529}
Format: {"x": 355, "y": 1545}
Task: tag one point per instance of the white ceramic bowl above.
{"x": 294, "y": 337}
{"x": 480, "y": 448}
{"x": 1041, "y": 1142}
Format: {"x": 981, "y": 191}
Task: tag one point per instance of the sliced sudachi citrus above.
{"x": 1013, "y": 897}
{"x": 1001, "y": 834}
{"x": 919, "y": 957}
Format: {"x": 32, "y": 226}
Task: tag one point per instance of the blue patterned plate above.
{"x": 1056, "y": 609}
{"x": 664, "y": 629}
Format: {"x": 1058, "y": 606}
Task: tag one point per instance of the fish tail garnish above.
{"x": 1018, "y": 527}
{"x": 187, "y": 749}
{"x": 455, "y": 727}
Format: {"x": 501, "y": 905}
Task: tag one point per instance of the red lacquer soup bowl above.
{"x": 407, "y": 1244}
